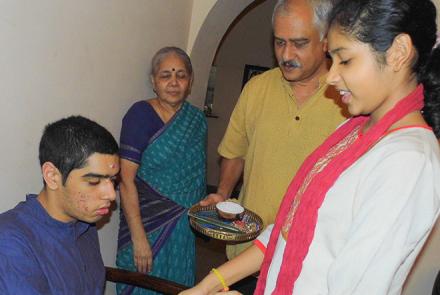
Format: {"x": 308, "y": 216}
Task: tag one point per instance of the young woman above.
{"x": 360, "y": 208}
{"x": 162, "y": 174}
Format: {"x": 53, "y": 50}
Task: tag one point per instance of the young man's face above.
{"x": 89, "y": 191}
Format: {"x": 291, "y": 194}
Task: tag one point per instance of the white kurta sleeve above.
{"x": 264, "y": 237}
{"x": 395, "y": 208}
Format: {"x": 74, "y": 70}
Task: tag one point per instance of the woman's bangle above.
{"x": 221, "y": 279}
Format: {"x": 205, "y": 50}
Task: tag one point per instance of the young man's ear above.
{"x": 401, "y": 52}
{"x": 51, "y": 175}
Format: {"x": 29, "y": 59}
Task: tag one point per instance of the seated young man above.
{"x": 49, "y": 243}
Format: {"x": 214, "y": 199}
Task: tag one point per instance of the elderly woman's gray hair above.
{"x": 164, "y": 52}
{"x": 321, "y": 11}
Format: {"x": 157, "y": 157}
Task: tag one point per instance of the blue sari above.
{"x": 170, "y": 179}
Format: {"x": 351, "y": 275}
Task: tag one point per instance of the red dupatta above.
{"x": 303, "y": 224}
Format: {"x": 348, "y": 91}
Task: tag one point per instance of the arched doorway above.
{"x": 228, "y": 24}
{"x": 229, "y": 41}
{"x": 216, "y": 24}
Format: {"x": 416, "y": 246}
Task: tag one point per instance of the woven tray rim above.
{"x": 222, "y": 235}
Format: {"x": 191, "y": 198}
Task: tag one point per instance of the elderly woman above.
{"x": 162, "y": 174}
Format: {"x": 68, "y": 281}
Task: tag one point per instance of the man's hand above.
{"x": 212, "y": 199}
{"x": 142, "y": 255}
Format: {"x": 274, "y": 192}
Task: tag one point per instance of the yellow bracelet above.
{"x": 221, "y": 279}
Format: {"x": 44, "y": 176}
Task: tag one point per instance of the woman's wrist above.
{"x": 209, "y": 285}
{"x": 221, "y": 279}
{"x": 138, "y": 235}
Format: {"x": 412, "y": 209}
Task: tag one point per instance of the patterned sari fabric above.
{"x": 170, "y": 179}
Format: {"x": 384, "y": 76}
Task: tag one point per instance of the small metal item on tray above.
{"x": 216, "y": 222}
{"x": 205, "y": 219}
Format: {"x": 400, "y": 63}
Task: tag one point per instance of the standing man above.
{"x": 49, "y": 243}
{"x": 282, "y": 115}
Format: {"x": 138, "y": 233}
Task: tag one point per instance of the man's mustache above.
{"x": 290, "y": 64}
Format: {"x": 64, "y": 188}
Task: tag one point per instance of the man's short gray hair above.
{"x": 321, "y": 12}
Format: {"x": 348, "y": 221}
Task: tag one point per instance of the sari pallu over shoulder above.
{"x": 173, "y": 164}
{"x": 171, "y": 176}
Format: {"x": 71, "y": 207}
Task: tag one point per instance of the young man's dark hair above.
{"x": 68, "y": 143}
{"x": 49, "y": 242}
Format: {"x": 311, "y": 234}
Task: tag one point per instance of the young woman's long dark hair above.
{"x": 378, "y": 22}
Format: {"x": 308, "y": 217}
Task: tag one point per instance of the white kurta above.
{"x": 373, "y": 221}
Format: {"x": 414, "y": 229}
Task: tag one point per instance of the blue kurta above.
{"x": 40, "y": 255}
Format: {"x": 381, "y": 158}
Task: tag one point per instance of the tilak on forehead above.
{"x": 173, "y": 69}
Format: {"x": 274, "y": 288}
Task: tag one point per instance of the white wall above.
{"x": 200, "y": 9}
{"x": 88, "y": 57}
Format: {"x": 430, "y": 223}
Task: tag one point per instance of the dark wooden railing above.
{"x": 142, "y": 280}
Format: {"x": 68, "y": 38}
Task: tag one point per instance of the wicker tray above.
{"x": 224, "y": 235}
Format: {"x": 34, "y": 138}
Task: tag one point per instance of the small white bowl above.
{"x": 229, "y": 210}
